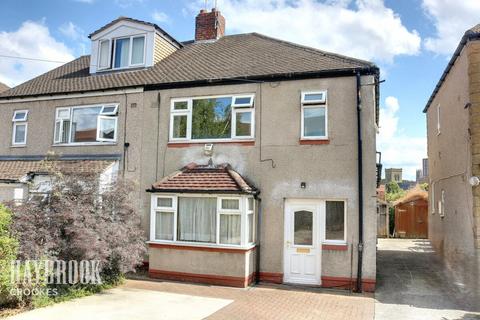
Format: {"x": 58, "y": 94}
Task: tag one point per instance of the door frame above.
{"x": 318, "y": 221}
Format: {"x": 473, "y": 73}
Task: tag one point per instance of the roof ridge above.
{"x": 312, "y": 49}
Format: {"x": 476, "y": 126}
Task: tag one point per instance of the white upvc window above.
{"x": 86, "y": 124}
{"x": 335, "y": 222}
{"x": 205, "y": 220}
{"x": 441, "y": 205}
{"x": 104, "y": 54}
{"x": 214, "y": 118}
{"x": 129, "y": 52}
{"x": 20, "y": 127}
{"x": 314, "y": 115}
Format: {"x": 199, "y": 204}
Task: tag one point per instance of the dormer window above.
{"x": 105, "y": 50}
{"x": 127, "y": 52}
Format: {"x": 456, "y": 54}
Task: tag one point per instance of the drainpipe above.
{"x": 360, "y": 186}
{"x": 257, "y": 239}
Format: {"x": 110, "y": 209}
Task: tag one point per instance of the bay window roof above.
{"x": 194, "y": 178}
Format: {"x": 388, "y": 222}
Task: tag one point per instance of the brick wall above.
{"x": 209, "y": 25}
{"x": 474, "y": 89}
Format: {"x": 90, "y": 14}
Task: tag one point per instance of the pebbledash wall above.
{"x": 453, "y": 153}
{"x": 329, "y": 170}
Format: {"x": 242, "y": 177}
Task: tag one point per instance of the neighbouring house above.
{"x": 411, "y": 215}
{"x": 3, "y": 87}
{"x": 254, "y": 157}
{"x": 453, "y": 128}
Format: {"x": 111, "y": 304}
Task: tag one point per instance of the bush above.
{"x": 8, "y": 252}
{"x": 82, "y": 219}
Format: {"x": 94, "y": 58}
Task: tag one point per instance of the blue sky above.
{"x": 411, "y": 40}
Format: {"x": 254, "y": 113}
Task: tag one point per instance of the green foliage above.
{"x": 211, "y": 118}
{"x": 424, "y": 186}
{"x": 393, "y": 191}
{"x": 8, "y": 252}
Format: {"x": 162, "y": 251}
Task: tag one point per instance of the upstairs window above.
{"x": 104, "y": 54}
{"x": 129, "y": 52}
{"x": 20, "y": 127}
{"x": 314, "y": 115}
{"x": 212, "y": 118}
{"x": 86, "y": 124}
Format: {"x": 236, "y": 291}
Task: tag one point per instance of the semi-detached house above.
{"x": 254, "y": 157}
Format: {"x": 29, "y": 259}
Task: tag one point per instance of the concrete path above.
{"x": 128, "y": 304}
{"x": 412, "y": 283}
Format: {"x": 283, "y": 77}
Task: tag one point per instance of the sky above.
{"x": 410, "y": 40}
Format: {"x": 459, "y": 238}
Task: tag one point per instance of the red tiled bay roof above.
{"x": 195, "y": 178}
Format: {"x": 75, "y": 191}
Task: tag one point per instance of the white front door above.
{"x": 302, "y": 242}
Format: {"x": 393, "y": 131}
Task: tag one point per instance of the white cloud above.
{"x": 72, "y": 31}
{"x": 451, "y": 19}
{"x": 398, "y": 149}
{"x": 31, "y": 40}
{"x": 160, "y": 17}
{"x": 361, "y": 28}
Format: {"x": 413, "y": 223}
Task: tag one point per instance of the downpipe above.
{"x": 358, "y": 287}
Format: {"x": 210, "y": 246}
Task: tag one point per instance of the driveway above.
{"x": 139, "y": 299}
{"x": 412, "y": 283}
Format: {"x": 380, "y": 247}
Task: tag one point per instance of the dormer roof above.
{"x": 150, "y": 24}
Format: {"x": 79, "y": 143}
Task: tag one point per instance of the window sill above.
{"x": 200, "y": 246}
{"x": 180, "y": 144}
{"x": 18, "y": 146}
{"x": 314, "y": 141}
{"x": 80, "y": 144}
{"x": 335, "y": 247}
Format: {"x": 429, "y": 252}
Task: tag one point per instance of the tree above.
{"x": 82, "y": 220}
{"x": 393, "y": 191}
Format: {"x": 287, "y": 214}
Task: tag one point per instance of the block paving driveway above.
{"x": 412, "y": 284}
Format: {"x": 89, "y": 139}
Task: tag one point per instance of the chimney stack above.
{"x": 209, "y": 25}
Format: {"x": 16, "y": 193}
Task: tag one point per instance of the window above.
{"x": 203, "y": 219}
{"x": 438, "y": 119}
{"x": 20, "y": 127}
{"x": 104, "y": 54}
{"x": 314, "y": 115}
{"x": 441, "y": 205}
{"x": 86, "y": 124}
{"x": 303, "y": 228}
{"x": 215, "y": 118}
{"x": 129, "y": 52}
{"x": 335, "y": 215}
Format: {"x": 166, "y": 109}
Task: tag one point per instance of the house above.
{"x": 411, "y": 215}
{"x": 254, "y": 157}
{"x": 453, "y": 128}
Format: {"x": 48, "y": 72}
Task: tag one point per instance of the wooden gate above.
{"x": 411, "y": 219}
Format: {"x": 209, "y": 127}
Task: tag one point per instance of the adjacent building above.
{"x": 254, "y": 157}
{"x": 393, "y": 174}
{"x": 3, "y": 87}
{"x": 453, "y": 127}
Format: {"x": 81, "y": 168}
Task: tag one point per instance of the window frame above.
{"x": 239, "y": 108}
{"x": 100, "y": 115}
{"x": 130, "y": 49}
{"x": 109, "y": 61}
{"x": 99, "y": 120}
{"x": 19, "y": 122}
{"x": 242, "y": 212}
{"x": 345, "y": 223}
{"x": 438, "y": 119}
{"x": 313, "y": 105}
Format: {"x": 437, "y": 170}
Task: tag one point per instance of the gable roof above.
{"x": 470, "y": 35}
{"x": 195, "y": 178}
{"x": 231, "y": 58}
{"x": 3, "y": 87}
{"x": 119, "y": 19}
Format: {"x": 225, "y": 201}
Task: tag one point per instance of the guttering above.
{"x": 64, "y": 157}
{"x": 372, "y": 70}
{"x": 468, "y": 36}
{"x": 360, "y": 186}
{"x": 153, "y": 190}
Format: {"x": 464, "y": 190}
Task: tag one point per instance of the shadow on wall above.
{"x": 410, "y": 273}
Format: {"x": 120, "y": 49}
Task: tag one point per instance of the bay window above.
{"x": 20, "y": 127}
{"x": 212, "y": 118}
{"x": 314, "y": 115}
{"x": 203, "y": 219}
{"x": 86, "y": 124}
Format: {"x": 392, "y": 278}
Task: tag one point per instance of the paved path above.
{"x": 413, "y": 284}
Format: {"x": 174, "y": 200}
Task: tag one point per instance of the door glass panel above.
{"x": 303, "y": 228}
